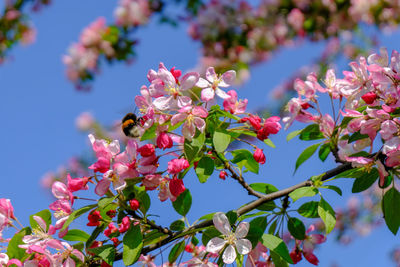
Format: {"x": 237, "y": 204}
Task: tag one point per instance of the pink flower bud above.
{"x": 6, "y": 208}
{"x": 295, "y": 254}
{"x": 125, "y": 224}
{"x": 94, "y": 218}
{"x": 146, "y": 150}
{"x": 134, "y": 204}
{"x": 177, "y": 165}
{"x": 176, "y": 187}
{"x": 164, "y": 141}
{"x": 76, "y": 184}
{"x": 259, "y": 156}
{"x": 110, "y": 230}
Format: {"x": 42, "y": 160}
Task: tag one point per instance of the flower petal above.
{"x": 228, "y": 78}
{"x": 222, "y": 94}
{"x": 189, "y": 80}
{"x": 222, "y": 224}
{"x": 243, "y": 246}
{"x": 229, "y": 255}
{"x": 242, "y": 230}
{"x": 207, "y": 94}
{"x": 215, "y": 245}
{"x": 211, "y": 75}
{"x": 202, "y": 83}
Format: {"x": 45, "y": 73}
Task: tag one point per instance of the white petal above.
{"x": 164, "y": 102}
{"x": 215, "y": 245}
{"x": 243, "y": 246}
{"x": 210, "y": 74}
{"x": 202, "y": 83}
{"x": 222, "y": 224}
{"x": 184, "y": 101}
{"x": 242, "y": 230}
{"x": 41, "y": 222}
{"x": 222, "y": 94}
{"x": 228, "y": 78}
{"x": 229, "y": 255}
{"x": 207, "y": 94}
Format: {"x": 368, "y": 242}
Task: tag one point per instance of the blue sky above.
{"x": 39, "y": 107}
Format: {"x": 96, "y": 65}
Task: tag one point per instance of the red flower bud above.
{"x": 369, "y": 98}
{"x": 111, "y": 213}
{"x": 295, "y": 254}
{"x": 164, "y": 141}
{"x": 134, "y": 204}
{"x": 222, "y": 175}
{"x": 146, "y": 150}
{"x": 259, "y": 156}
{"x": 176, "y": 187}
{"x": 94, "y": 218}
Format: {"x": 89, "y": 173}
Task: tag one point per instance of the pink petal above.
{"x": 228, "y": 78}
{"x": 164, "y": 102}
{"x": 215, "y": 245}
{"x": 222, "y": 224}
{"x": 229, "y": 255}
{"x": 102, "y": 187}
{"x": 178, "y": 118}
{"x": 243, "y": 246}
{"x": 189, "y": 80}
{"x": 41, "y": 222}
{"x": 242, "y": 230}
{"x": 184, "y": 101}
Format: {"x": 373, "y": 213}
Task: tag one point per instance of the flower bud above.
{"x": 223, "y": 175}
{"x": 259, "y": 156}
{"x": 146, "y": 150}
{"x": 134, "y": 204}
{"x": 369, "y": 98}
{"x": 164, "y": 141}
{"x": 176, "y": 187}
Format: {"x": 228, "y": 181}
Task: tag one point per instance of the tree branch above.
{"x": 238, "y": 178}
{"x": 252, "y": 205}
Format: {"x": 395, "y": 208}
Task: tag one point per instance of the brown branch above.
{"x": 238, "y": 178}
{"x": 252, "y": 205}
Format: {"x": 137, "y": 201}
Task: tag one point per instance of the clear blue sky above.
{"x": 39, "y": 106}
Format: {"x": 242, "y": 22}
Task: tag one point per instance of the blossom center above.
{"x": 231, "y": 239}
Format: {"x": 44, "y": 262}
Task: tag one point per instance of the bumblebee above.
{"x": 130, "y": 125}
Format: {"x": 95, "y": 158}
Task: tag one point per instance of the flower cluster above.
{"x": 372, "y": 98}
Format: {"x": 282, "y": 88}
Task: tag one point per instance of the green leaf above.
{"x": 334, "y": 188}
{"x": 77, "y": 213}
{"x": 352, "y": 173}
{"x": 327, "y": 214}
{"x": 204, "y": 169}
{"x": 305, "y": 155}
{"x": 176, "y": 251}
{"x": 278, "y": 261}
{"x": 13, "y": 251}
{"x": 232, "y": 216}
{"x": 365, "y": 181}
{"x": 45, "y": 215}
{"x": 132, "y": 245}
{"x": 244, "y": 158}
{"x": 390, "y": 207}
{"x": 311, "y": 132}
{"x": 76, "y": 235}
{"x": 296, "y": 228}
{"x": 106, "y": 252}
{"x": 192, "y": 148}
{"x": 267, "y": 206}
{"x": 153, "y": 237}
{"x": 208, "y": 234}
{"x": 150, "y": 133}
{"x": 105, "y": 201}
{"x": 307, "y": 191}
{"x": 183, "y": 203}
{"x": 357, "y": 136}
{"x": 177, "y": 225}
{"x": 269, "y": 143}
{"x": 276, "y": 245}
{"x": 309, "y": 209}
{"x": 324, "y": 151}
{"x": 293, "y": 134}
{"x": 221, "y": 141}
{"x": 263, "y": 188}
{"x": 256, "y": 230}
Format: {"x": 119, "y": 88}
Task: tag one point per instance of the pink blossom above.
{"x": 234, "y": 106}
{"x": 175, "y": 166}
{"x": 125, "y": 224}
{"x": 213, "y": 82}
{"x": 76, "y": 184}
{"x": 327, "y": 125}
{"x": 132, "y": 12}
{"x": 164, "y": 140}
{"x": 152, "y": 181}
{"x": 193, "y": 118}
